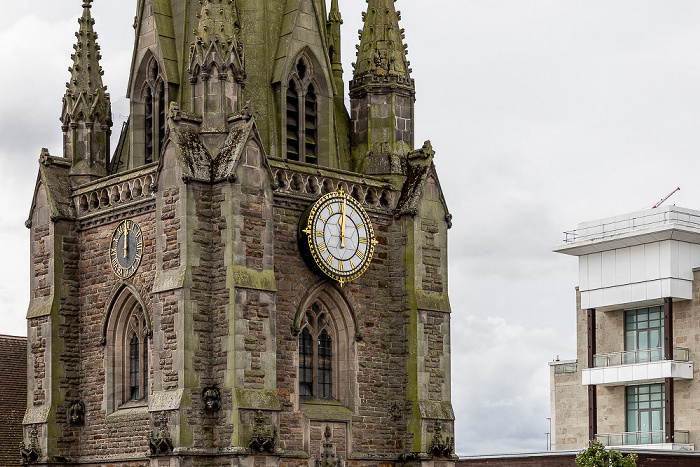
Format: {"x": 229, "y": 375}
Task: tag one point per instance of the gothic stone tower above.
{"x": 254, "y": 276}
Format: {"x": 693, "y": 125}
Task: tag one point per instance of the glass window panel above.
{"x": 134, "y": 370}
{"x": 324, "y": 365}
{"x": 305, "y": 363}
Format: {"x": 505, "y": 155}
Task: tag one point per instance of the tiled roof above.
{"x": 13, "y": 397}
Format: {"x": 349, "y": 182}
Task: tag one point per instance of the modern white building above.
{"x": 633, "y": 383}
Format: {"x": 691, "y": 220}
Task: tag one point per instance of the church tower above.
{"x": 256, "y": 276}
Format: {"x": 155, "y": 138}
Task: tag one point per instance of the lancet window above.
{"x": 127, "y": 340}
{"x": 154, "y": 113}
{"x": 316, "y": 354}
{"x": 302, "y": 113}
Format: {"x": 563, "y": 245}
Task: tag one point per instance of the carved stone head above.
{"x": 76, "y": 413}
{"x": 212, "y": 399}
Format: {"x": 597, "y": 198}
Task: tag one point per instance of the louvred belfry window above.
{"x": 302, "y": 114}
{"x": 154, "y": 114}
{"x": 316, "y": 355}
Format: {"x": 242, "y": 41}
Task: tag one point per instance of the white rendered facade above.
{"x": 638, "y": 332}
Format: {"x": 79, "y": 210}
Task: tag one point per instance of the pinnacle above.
{"x": 86, "y": 73}
{"x": 382, "y": 53}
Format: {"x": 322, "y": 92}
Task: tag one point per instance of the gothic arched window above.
{"x": 302, "y": 114}
{"x": 154, "y": 113}
{"x": 316, "y": 354}
{"x": 127, "y": 339}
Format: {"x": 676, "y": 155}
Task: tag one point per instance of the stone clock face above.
{"x": 339, "y": 236}
{"x": 126, "y": 249}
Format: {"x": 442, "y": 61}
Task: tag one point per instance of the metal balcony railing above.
{"x": 655, "y": 218}
{"x": 680, "y": 354}
{"x": 634, "y": 438}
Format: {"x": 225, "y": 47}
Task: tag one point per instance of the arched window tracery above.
{"x": 326, "y": 339}
{"x": 127, "y": 340}
{"x": 315, "y": 354}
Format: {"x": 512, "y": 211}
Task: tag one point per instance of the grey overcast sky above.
{"x": 543, "y": 113}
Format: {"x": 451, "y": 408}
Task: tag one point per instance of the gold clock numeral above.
{"x": 341, "y": 266}
{"x": 363, "y": 240}
{"x": 322, "y": 247}
{"x": 352, "y": 264}
{"x": 360, "y": 254}
{"x": 330, "y": 209}
{"x": 318, "y": 233}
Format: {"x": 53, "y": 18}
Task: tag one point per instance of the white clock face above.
{"x": 340, "y": 236}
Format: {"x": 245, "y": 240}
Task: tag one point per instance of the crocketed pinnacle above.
{"x": 85, "y": 93}
{"x": 216, "y": 39}
{"x": 381, "y": 55}
{"x": 218, "y": 21}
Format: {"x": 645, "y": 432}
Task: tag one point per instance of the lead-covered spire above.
{"x": 87, "y": 110}
{"x": 381, "y": 55}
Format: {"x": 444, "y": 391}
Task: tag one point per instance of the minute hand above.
{"x": 342, "y": 224}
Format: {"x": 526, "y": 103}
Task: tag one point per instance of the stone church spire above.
{"x": 216, "y": 54}
{"x": 382, "y": 92}
{"x": 87, "y": 111}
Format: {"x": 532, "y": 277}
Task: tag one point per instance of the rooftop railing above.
{"x": 615, "y": 227}
{"x": 633, "y": 438}
{"x": 680, "y": 354}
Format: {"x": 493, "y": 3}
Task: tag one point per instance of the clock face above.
{"x": 126, "y": 249}
{"x": 339, "y": 236}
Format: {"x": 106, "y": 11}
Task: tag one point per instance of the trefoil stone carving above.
{"x": 30, "y": 452}
{"x": 441, "y": 447}
{"x": 328, "y": 458}
{"x": 161, "y": 443}
{"x": 264, "y": 436}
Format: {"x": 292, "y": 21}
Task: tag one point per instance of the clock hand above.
{"x": 342, "y": 224}
{"x": 126, "y": 238}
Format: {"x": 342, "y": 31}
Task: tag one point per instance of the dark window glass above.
{"x": 324, "y": 365}
{"x": 306, "y": 368}
{"x": 134, "y": 370}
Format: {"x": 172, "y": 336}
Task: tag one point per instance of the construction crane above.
{"x": 664, "y": 199}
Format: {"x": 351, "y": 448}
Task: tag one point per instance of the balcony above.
{"x": 638, "y": 367}
{"x": 647, "y": 440}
